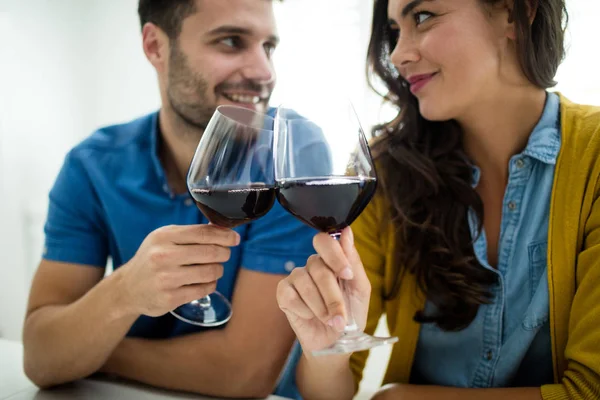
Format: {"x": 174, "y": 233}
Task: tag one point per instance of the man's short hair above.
{"x": 168, "y": 15}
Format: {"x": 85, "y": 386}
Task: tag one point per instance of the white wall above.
{"x": 69, "y": 66}
{"x": 578, "y": 76}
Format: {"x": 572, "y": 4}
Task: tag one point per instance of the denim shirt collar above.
{"x": 544, "y": 141}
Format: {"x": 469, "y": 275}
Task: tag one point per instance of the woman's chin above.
{"x": 433, "y": 112}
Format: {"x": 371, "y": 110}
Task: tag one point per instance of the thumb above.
{"x": 360, "y": 281}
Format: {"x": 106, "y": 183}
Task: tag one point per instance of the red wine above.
{"x": 328, "y": 204}
{"x": 229, "y": 207}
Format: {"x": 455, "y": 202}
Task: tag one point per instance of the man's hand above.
{"x": 173, "y": 266}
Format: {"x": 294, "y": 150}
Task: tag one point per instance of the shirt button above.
{"x": 289, "y": 266}
{"x": 166, "y": 188}
{"x": 512, "y": 206}
{"x": 520, "y": 163}
{"x": 188, "y": 202}
{"x": 489, "y": 355}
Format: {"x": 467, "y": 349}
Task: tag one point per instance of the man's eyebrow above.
{"x": 237, "y": 30}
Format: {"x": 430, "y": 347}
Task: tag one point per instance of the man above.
{"x": 122, "y": 194}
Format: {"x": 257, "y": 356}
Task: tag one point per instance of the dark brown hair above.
{"x": 168, "y": 15}
{"x": 427, "y": 177}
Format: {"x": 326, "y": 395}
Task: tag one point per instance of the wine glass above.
{"x": 333, "y": 192}
{"x": 231, "y": 180}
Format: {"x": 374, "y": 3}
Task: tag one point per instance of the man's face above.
{"x": 222, "y": 56}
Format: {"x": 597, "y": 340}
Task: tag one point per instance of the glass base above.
{"x": 205, "y": 313}
{"x": 351, "y": 342}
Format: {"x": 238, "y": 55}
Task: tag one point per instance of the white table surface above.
{"x": 14, "y": 385}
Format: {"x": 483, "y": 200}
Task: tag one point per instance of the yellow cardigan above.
{"x": 573, "y": 268}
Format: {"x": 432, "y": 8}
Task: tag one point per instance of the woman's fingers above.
{"x": 360, "y": 281}
{"x": 313, "y": 292}
{"x": 290, "y": 300}
{"x": 332, "y": 253}
{"x": 329, "y": 289}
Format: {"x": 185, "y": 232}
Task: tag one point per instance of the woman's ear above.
{"x": 531, "y": 7}
{"x": 509, "y": 11}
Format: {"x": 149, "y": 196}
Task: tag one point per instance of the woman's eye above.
{"x": 422, "y": 16}
{"x": 394, "y": 35}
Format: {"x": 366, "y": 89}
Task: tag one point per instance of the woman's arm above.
{"x": 416, "y": 392}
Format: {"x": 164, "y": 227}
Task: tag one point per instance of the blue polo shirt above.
{"x": 112, "y": 192}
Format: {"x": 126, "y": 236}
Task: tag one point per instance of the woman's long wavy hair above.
{"x": 427, "y": 177}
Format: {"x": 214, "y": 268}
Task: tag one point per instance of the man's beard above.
{"x": 187, "y": 92}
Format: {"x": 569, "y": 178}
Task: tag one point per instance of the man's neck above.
{"x": 177, "y": 144}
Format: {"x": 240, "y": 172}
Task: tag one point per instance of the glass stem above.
{"x": 203, "y": 302}
{"x": 351, "y": 326}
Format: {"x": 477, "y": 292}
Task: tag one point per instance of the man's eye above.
{"x": 269, "y": 49}
{"x": 233, "y": 42}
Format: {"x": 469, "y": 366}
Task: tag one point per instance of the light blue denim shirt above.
{"x": 508, "y": 343}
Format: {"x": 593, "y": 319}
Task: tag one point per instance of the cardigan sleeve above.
{"x": 581, "y": 379}
{"x": 368, "y": 239}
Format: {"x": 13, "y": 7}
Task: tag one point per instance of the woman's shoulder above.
{"x": 580, "y": 136}
{"x": 580, "y": 122}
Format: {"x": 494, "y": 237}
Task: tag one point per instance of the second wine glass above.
{"x": 231, "y": 180}
{"x": 329, "y": 192}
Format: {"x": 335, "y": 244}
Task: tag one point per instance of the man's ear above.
{"x": 156, "y": 45}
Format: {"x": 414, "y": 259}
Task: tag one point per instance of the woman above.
{"x": 482, "y": 244}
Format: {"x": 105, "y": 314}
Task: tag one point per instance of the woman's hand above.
{"x": 311, "y": 296}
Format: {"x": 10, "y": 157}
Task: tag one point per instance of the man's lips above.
{"x": 247, "y": 98}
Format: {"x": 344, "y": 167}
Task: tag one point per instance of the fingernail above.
{"x": 338, "y": 323}
{"x": 350, "y": 235}
{"x": 330, "y": 323}
{"x": 238, "y": 238}
{"x": 347, "y": 273}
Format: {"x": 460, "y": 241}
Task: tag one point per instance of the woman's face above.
{"x": 453, "y": 53}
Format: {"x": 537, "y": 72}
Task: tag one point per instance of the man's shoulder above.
{"x": 135, "y": 135}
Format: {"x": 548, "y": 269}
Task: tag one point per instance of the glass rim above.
{"x": 244, "y": 109}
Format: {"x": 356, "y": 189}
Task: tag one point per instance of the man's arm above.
{"x": 73, "y": 322}
{"x": 244, "y": 359}
{"x": 415, "y": 392}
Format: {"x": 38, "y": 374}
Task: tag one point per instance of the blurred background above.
{"x": 68, "y": 67}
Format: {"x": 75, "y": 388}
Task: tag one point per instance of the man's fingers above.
{"x": 190, "y": 293}
{"x": 195, "y": 274}
{"x": 200, "y": 254}
{"x": 198, "y": 234}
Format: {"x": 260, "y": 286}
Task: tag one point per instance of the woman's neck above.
{"x": 499, "y": 127}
